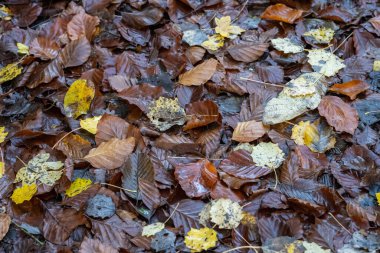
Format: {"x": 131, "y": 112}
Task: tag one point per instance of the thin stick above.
{"x": 182, "y": 157}
{"x": 26, "y": 232}
{"x": 241, "y": 10}
{"x": 172, "y": 213}
{"x": 118, "y": 187}
{"x": 22, "y": 161}
{"x": 366, "y": 113}
{"x": 244, "y": 239}
{"x": 290, "y": 123}
{"x": 257, "y": 81}
{"x": 242, "y": 247}
{"x": 65, "y": 136}
{"x": 340, "y": 223}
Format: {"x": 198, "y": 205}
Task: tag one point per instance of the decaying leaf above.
{"x": 267, "y": 154}
{"x": 90, "y": 124}
{"x": 376, "y": 65}
{"x": 225, "y": 29}
{"x": 325, "y": 62}
{"x": 24, "y": 193}
{"x": 312, "y": 247}
{"x": 163, "y": 241}
{"x": 351, "y": 88}
{"x": 213, "y": 42}
{"x": 9, "y": 72}
{"x": 40, "y": 169}
{"x": 303, "y": 133}
{"x": 249, "y": 131}
{"x": 78, "y": 98}
{"x": 200, "y": 74}
{"x": 5, "y": 12}
{"x": 152, "y": 229}
{"x": 79, "y": 185}
{"x": 5, "y": 222}
{"x": 201, "y": 239}
{"x": 165, "y": 113}
{"x": 100, "y": 206}
{"x": 111, "y": 154}
{"x": 305, "y": 84}
{"x": 3, "y": 134}
{"x": 22, "y": 48}
{"x": 287, "y": 45}
{"x": 321, "y": 35}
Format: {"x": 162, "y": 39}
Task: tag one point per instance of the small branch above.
{"x": 340, "y": 223}
{"x": 26, "y": 232}
{"x": 242, "y": 247}
{"x": 276, "y": 183}
{"x": 172, "y": 213}
{"x": 244, "y": 239}
{"x": 257, "y": 81}
{"x": 118, "y": 187}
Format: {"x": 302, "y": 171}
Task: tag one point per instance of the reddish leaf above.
{"x": 201, "y": 113}
{"x": 82, "y": 24}
{"x": 74, "y": 146}
{"x": 120, "y": 82}
{"x": 95, "y": 246}
{"x": 44, "y": 48}
{"x": 25, "y": 14}
{"x": 76, "y": 52}
{"x": 351, "y": 88}
{"x": 195, "y": 54}
{"x": 93, "y": 6}
{"x": 281, "y": 12}
{"x": 247, "y": 52}
{"x": 199, "y": 74}
{"x": 249, "y": 131}
{"x": 221, "y": 191}
{"x": 196, "y": 179}
{"x": 339, "y": 114}
{"x": 149, "y": 16}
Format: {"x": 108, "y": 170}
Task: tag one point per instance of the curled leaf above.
{"x": 24, "y": 193}
{"x": 78, "y": 98}
{"x": 201, "y": 239}
{"x": 22, "y": 48}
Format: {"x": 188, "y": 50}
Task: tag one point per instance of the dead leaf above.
{"x": 165, "y": 113}
{"x": 78, "y": 98}
{"x": 281, "y": 12}
{"x": 321, "y": 35}
{"x": 5, "y": 222}
{"x": 200, "y": 114}
{"x": 95, "y": 246}
{"x": 199, "y": 74}
{"x": 82, "y": 24}
{"x": 267, "y": 154}
{"x": 225, "y": 29}
{"x": 201, "y": 239}
{"x": 325, "y": 62}
{"x": 249, "y": 131}
{"x": 247, "y": 52}
{"x": 152, "y": 229}
{"x": 111, "y": 154}
{"x": 44, "y": 48}
{"x": 350, "y": 89}
{"x": 76, "y": 52}
{"x": 287, "y": 45}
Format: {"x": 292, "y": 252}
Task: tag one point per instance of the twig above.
{"x": 244, "y": 239}
{"x": 366, "y": 113}
{"x": 241, "y": 10}
{"x": 22, "y": 161}
{"x": 340, "y": 223}
{"x": 275, "y": 174}
{"x": 242, "y": 247}
{"x": 257, "y": 81}
{"x": 183, "y": 157}
{"x": 172, "y": 213}
{"x": 65, "y": 136}
{"x": 118, "y": 187}
{"x": 26, "y": 232}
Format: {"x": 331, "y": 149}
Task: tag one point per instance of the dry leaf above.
{"x": 90, "y": 124}
{"x": 267, "y": 154}
{"x": 225, "y": 29}
{"x": 165, "y": 113}
{"x": 152, "y": 229}
{"x": 5, "y": 222}
{"x": 111, "y": 154}
{"x": 200, "y": 74}
{"x": 287, "y": 45}
{"x": 351, "y": 88}
{"x": 303, "y": 133}
{"x": 2, "y": 169}
{"x": 82, "y": 24}
{"x": 78, "y": 98}
{"x": 281, "y": 12}
{"x": 247, "y": 52}
{"x": 339, "y": 114}
{"x": 79, "y": 185}
{"x": 378, "y": 198}
{"x": 249, "y": 131}
{"x": 201, "y": 239}
{"x": 214, "y": 42}
{"x": 5, "y": 13}
{"x": 325, "y": 62}
{"x": 3, "y": 134}
{"x": 24, "y": 193}
{"x": 9, "y": 72}
{"x": 321, "y": 35}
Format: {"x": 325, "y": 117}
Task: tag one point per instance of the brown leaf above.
{"x": 196, "y": 179}
{"x": 351, "y": 88}
{"x": 44, "y": 48}
{"x": 247, "y": 52}
{"x": 149, "y": 193}
{"x": 111, "y": 154}
{"x": 82, "y": 24}
{"x": 201, "y": 113}
{"x": 222, "y": 191}
{"x": 5, "y": 222}
{"x": 94, "y": 6}
{"x": 186, "y": 214}
{"x": 195, "y": 54}
{"x": 121, "y": 82}
{"x": 76, "y": 52}
{"x": 249, "y": 131}
{"x": 95, "y": 246}
{"x": 375, "y": 21}
{"x": 199, "y": 74}
{"x": 339, "y": 114}
{"x": 336, "y": 14}
{"x": 149, "y": 16}
{"x": 281, "y": 12}
{"x": 74, "y": 146}
{"x": 110, "y": 126}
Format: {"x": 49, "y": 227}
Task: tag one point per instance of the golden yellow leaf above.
{"x": 248, "y": 219}
{"x": 291, "y": 248}
{"x": 214, "y": 42}
{"x": 90, "y": 124}
{"x": 3, "y": 134}
{"x": 225, "y": 29}
{"x": 321, "y": 35}
{"x": 304, "y": 133}
{"x": 9, "y": 72}
{"x": 201, "y": 239}
{"x": 153, "y": 229}
{"x": 78, "y": 98}
{"x": 2, "y": 169}
{"x": 5, "y": 12}
{"x": 378, "y": 198}
{"x": 376, "y": 65}
{"x": 267, "y": 154}
{"x": 22, "y": 48}
{"x": 24, "y": 193}
{"x": 79, "y": 185}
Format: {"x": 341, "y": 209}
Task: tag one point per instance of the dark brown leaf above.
{"x": 187, "y": 214}
{"x": 141, "y": 95}
{"x": 95, "y": 246}
{"x": 150, "y": 194}
{"x": 44, "y": 48}
{"x": 5, "y": 222}
{"x": 147, "y": 17}
{"x": 82, "y": 24}
{"x": 76, "y": 52}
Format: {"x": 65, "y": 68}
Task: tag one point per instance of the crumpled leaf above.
{"x": 325, "y": 62}
{"x": 100, "y": 206}
{"x": 213, "y": 42}
{"x": 24, "y": 193}
{"x": 287, "y": 45}
{"x": 79, "y": 185}
{"x": 9, "y": 72}
{"x": 249, "y": 131}
{"x": 165, "y": 113}
{"x": 40, "y": 169}
{"x": 5, "y": 12}
{"x": 3, "y": 134}
{"x": 90, "y": 124}
{"x": 267, "y": 154}
{"x": 22, "y": 48}
{"x": 78, "y": 98}
{"x": 225, "y": 29}
{"x": 201, "y": 239}
{"x": 153, "y": 229}
{"x": 321, "y": 35}
{"x": 303, "y": 133}
{"x": 199, "y": 74}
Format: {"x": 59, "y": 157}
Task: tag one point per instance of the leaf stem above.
{"x": 257, "y": 81}
{"x": 172, "y": 213}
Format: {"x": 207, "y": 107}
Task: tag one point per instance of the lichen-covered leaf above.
{"x": 78, "y": 98}
{"x": 325, "y": 62}
{"x": 287, "y": 45}
{"x": 165, "y": 113}
{"x": 22, "y": 48}
{"x": 9, "y": 72}
{"x": 267, "y": 154}
{"x": 3, "y": 134}
{"x": 321, "y": 35}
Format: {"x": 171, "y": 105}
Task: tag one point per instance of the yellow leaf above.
{"x": 378, "y": 198}
{"x": 201, "y": 239}
{"x": 153, "y": 229}
{"x": 305, "y": 85}
{"x": 24, "y": 193}
{"x": 225, "y": 29}
{"x": 287, "y": 45}
{"x": 248, "y": 219}
{"x": 291, "y": 248}
{"x": 79, "y": 185}
{"x": 22, "y": 48}
{"x": 2, "y": 169}
{"x": 214, "y": 42}
{"x": 78, "y": 98}
{"x": 267, "y": 154}
{"x": 3, "y": 134}
{"x": 303, "y": 133}
{"x": 9, "y": 72}
{"x": 5, "y": 12}
{"x": 325, "y": 62}
{"x": 376, "y": 65}
{"x": 90, "y": 124}
{"x": 321, "y": 35}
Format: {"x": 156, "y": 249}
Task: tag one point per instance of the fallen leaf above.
{"x": 312, "y": 247}
{"x": 165, "y": 113}
{"x": 79, "y": 185}
{"x": 111, "y": 154}
{"x": 281, "y": 12}
{"x": 201, "y": 113}
{"x": 100, "y": 206}
{"x": 5, "y": 222}
{"x": 152, "y": 229}
{"x": 2, "y": 169}
{"x": 3, "y": 134}
{"x": 24, "y": 193}
{"x": 287, "y": 45}
{"x": 339, "y": 114}
{"x": 5, "y": 13}
{"x": 267, "y": 154}
{"x": 22, "y": 48}
{"x": 75, "y": 147}
{"x": 82, "y": 24}
{"x": 249, "y": 131}
{"x": 90, "y": 124}
{"x": 325, "y": 62}
{"x": 213, "y": 42}
{"x": 194, "y": 37}
{"x": 225, "y": 29}
{"x": 351, "y": 88}
{"x": 305, "y": 85}
{"x": 76, "y": 52}
{"x": 44, "y": 48}
{"x": 163, "y": 241}
{"x": 378, "y": 198}
{"x": 78, "y": 98}
{"x": 10, "y": 72}
{"x": 248, "y": 51}
{"x": 321, "y": 35}
{"x": 95, "y": 246}
{"x": 199, "y": 74}
{"x": 201, "y": 239}
{"x": 226, "y": 213}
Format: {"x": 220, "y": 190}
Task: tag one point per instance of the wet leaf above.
{"x": 100, "y": 206}
{"x": 267, "y": 154}
{"x": 163, "y": 240}
{"x": 200, "y": 114}
{"x": 82, "y": 24}
{"x": 44, "y": 48}
{"x": 111, "y": 154}
{"x": 201, "y": 239}
{"x": 223, "y": 212}
{"x": 376, "y": 65}
{"x": 79, "y": 185}
{"x": 76, "y": 52}
{"x": 24, "y": 193}
{"x": 90, "y": 124}
{"x": 378, "y": 198}
{"x": 78, "y": 98}
{"x": 3, "y": 134}
{"x": 9, "y": 72}
{"x": 350, "y": 89}
{"x": 75, "y": 147}
{"x": 339, "y": 114}
{"x": 287, "y": 45}
{"x": 247, "y": 52}
{"x": 225, "y": 29}
{"x": 249, "y": 131}
{"x": 305, "y": 85}
{"x": 325, "y": 62}
{"x": 165, "y": 113}
{"x": 152, "y": 229}
{"x": 281, "y": 12}
{"x": 199, "y": 74}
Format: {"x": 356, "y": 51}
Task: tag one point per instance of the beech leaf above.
{"x": 249, "y": 131}
{"x": 199, "y": 74}
{"x": 351, "y": 88}
{"x": 78, "y": 98}
{"x": 24, "y": 193}
{"x": 281, "y": 12}
{"x": 153, "y": 229}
